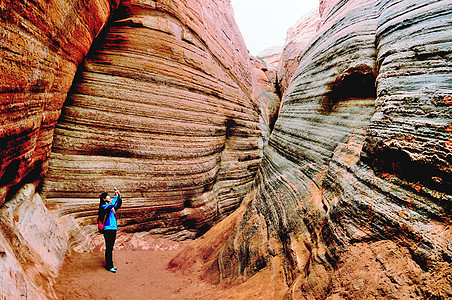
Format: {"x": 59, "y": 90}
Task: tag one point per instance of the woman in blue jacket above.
{"x": 109, "y": 207}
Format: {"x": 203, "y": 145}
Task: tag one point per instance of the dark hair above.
{"x": 103, "y": 196}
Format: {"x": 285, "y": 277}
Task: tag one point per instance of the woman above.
{"x": 109, "y": 207}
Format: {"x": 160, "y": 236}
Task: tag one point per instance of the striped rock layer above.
{"x": 353, "y": 196}
{"x": 42, "y": 45}
{"x": 161, "y": 108}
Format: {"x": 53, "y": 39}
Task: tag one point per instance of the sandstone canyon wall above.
{"x": 267, "y": 92}
{"x": 42, "y": 43}
{"x": 163, "y": 106}
{"x": 298, "y": 39}
{"x": 353, "y": 196}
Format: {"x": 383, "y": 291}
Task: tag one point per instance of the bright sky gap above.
{"x": 264, "y": 23}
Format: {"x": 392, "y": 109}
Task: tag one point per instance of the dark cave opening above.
{"x": 230, "y": 124}
{"x": 356, "y": 83}
{"x": 394, "y": 162}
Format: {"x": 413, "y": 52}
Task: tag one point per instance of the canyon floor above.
{"x": 142, "y": 274}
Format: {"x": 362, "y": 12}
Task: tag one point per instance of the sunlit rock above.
{"x": 32, "y": 246}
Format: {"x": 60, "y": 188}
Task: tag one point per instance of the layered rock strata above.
{"x": 267, "y": 93}
{"x": 162, "y": 108}
{"x": 42, "y": 44}
{"x": 357, "y": 167}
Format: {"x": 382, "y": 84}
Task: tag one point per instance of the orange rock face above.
{"x": 162, "y": 108}
{"x": 349, "y": 198}
{"x": 42, "y": 45}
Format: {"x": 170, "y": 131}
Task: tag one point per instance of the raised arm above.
{"x": 117, "y": 200}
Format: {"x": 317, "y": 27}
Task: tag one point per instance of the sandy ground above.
{"x": 142, "y": 274}
{"x": 142, "y": 261}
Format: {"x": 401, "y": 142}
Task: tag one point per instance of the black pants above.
{"x": 110, "y": 238}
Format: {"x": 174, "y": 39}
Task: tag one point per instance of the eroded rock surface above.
{"x": 32, "y": 246}
{"x": 352, "y": 198}
{"x": 267, "y": 93}
{"x": 42, "y": 45}
{"x": 163, "y": 108}
{"x": 298, "y": 39}
{"x": 357, "y": 167}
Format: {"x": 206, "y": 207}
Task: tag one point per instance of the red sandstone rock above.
{"x": 42, "y": 45}
{"x": 324, "y": 218}
{"x": 187, "y": 139}
{"x": 163, "y": 109}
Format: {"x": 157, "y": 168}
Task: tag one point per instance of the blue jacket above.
{"x": 110, "y": 223}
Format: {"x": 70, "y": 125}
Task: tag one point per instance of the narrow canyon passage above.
{"x": 323, "y": 171}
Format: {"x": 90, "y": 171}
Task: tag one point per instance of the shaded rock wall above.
{"x": 163, "y": 108}
{"x": 368, "y": 99}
